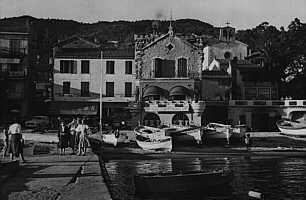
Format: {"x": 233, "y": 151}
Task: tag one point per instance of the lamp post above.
{"x": 101, "y": 90}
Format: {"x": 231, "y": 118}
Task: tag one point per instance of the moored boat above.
{"x": 185, "y": 133}
{"x": 150, "y": 132}
{"x": 157, "y": 144}
{"x": 292, "y": 128}
{"x": 180, "y": 182}
{"x": 218, "y": 131}
{"x": 110, "y": 138}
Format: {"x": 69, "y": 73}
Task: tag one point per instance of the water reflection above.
{"x": 277, "y": 178}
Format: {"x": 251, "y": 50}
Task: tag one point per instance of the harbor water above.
{"x": 274, "y": 177}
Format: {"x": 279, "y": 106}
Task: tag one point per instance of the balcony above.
{"x": 274, "y": 103}
{"x": 13, "y": 53}
{"x": 173, "y": 106}
{"x": 15, "y": 95}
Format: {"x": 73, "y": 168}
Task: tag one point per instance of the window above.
{"x": 128, "y": 89}
{"x": 85, "y": 66}
{"x": 110, "y": 67}
{"x": 227, "y": 55}
{"x": 66, "y": 87}
{"x": 15, "y": 46}
{"x": 182, "y": 67}
{"x": 164, "y": 68}
{"x": 15, "y": 67}
{"x": 85, "y": 89}
{"x": 250, "y": 93}
{"x": 128, "y": 67}
{"x": 109, "y": 89}
{"x": 68, "y": 66}
{"x": 264, "y": 93}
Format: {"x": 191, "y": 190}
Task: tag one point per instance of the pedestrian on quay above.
{"x": 72, "y": 136}
{"x": 247, "y": 141}
{"x": 83, "y": 142}
{"x": 5, "y": 140}
{"x": 15, "y": 141}
{"x": 63, "y": 138}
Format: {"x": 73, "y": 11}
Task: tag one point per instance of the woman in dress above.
{"x": 63, "y": 138}
{"x": 15, "y": 141}
{"x": 72, "y": 137}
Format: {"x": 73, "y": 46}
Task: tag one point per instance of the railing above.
{"x": 17, "y": 74}
{"x": 277, "y": 103}
{"x": 169, "y": 106}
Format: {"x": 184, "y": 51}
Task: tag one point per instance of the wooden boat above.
{"x": 217, "y": 131}
{"x": 110, "y": 138}
{"x": 185, "y": 133}
{"x": 180, "y": 182}
{"x": 150, "y": 132}
{"x": 158, "y": 144}
{"x": 291, "y": 128}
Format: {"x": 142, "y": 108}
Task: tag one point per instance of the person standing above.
{"x": 15, "y": 141}
{"x": 83, "y": 130}
{"x": 247, "y": 141}
{"x": 72, "y": 137}
{"x": 5, "y": 140}
{"x": 62, "y": 138}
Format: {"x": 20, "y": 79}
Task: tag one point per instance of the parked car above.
{"x": 38, "y": 123}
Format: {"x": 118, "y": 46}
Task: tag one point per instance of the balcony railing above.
{"x": 17, "y": 74}
{"x": 276, "y": 103}
{"x": 171, "y": 106}
{"x": 4, "y": 51}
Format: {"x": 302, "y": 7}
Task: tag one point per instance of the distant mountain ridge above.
{"x": 54, "y": 30}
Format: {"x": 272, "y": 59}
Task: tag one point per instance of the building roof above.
{"x": 119, "y": 53}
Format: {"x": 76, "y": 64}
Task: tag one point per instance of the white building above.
{"x": 77, "y": 79}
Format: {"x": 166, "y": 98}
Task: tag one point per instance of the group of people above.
{"x": 13, "y": 141}
{"x": 73, "y": 135}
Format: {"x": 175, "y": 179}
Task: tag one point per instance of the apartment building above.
{"x": 81, "y": 69}
{"x": 14, "y": 67}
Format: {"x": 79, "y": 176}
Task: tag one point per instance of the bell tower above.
{"x": 227, "y": 34}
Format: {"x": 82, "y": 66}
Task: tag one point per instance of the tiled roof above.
{"x": 119, "y": 53}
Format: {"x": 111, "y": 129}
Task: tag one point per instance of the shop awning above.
{"x": 153, "y": 91}
{"x": 180, "y": 90}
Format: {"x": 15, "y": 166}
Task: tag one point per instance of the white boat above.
{"x": 160, "y": 144}
{"x": 239, "y": 131}
{"x": 150, "y": 132}
{"x": 110, "y": 138}
{"x": 218, "y": 131}
{"x": 185, "y": 133}
{"x": 292, "y": 128}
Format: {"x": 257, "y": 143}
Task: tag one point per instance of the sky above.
{"x": 242, "y": 14}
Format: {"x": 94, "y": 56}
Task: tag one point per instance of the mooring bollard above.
{"x": 256, "y": 195}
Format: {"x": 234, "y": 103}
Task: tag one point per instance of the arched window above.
{"x": 180, "y": 119}
{"x": 182, "y": 67}
{"x": 227, "y": 55}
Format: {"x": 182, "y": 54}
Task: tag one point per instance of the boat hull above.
{"x": 157, "y": 145}
{"x": 180, "y": 182}
{"x": 110, "y": 139}
{"x": 295, "y": 129}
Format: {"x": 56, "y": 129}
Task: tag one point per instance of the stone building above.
{"x": 169, "y": 71}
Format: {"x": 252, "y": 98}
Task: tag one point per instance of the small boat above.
{"x": 158, "y": 144}
{"x": 185, "y": 133}
{"x": 291, "y": 128}
{"x": 110, "y": 138}
{"x": 181, "y": 181}
{"x": 239, "y": 131}
{"x": 218, "y": 131}
{"x": 150, "y": 132}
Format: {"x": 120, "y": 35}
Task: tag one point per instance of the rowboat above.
{"x": 150, "y": 132}
{"x": 185, "y": 133}
{"x": 159, "y": 144}
{"x": 110, "y": 138}
{"x": 218, "y": 131}
{"x": 291, "y": 128}
{"x": 180, "y": 181}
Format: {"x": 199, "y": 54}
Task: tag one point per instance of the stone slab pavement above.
{"x": 57, "y": 177}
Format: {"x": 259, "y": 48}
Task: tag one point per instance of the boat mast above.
{"x": 101, "y": 90}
